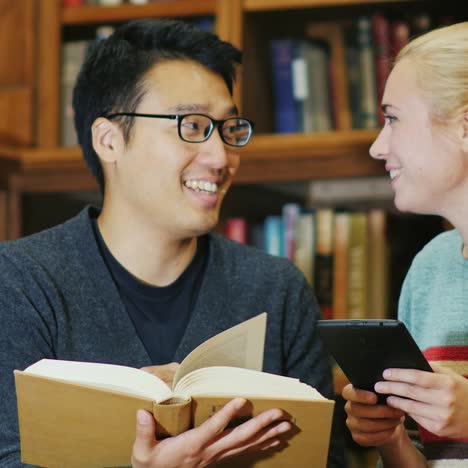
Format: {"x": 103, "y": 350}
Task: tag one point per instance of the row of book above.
{"x": 334, "y": 76}
{"x": 343, "y": 254}
{"x": 72, "y": 56}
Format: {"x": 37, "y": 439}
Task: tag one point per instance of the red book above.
{"x": 236, "y": 229}
{"x": 399, "y": 36}
{"x": 381, "y": 39}
{"x": 72, "y": 3}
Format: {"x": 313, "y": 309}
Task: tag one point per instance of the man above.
{"x": 140, "y": 282}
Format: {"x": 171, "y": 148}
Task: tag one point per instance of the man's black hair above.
{"x": 111, "y": 78}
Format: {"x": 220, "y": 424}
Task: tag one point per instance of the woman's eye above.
{"x": 390, "y": 119}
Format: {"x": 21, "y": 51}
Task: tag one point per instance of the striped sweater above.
{"x": 434, "y": 306}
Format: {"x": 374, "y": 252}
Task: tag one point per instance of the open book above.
{"x": 83, "y": 414}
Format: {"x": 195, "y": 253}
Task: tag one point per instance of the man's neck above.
{"x": 150, "y": 256}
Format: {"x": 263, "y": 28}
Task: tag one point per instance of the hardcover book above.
{"x": 79, "y": 414}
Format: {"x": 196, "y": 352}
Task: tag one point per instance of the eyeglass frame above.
{"x": 180, "y": 117}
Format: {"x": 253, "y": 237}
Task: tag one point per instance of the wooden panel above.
{"x": 16, "y": 110}
{"x": 48, "y": 89}
{"x": 17, "y": 42}
{"x": 125, "y": 12}
{"x": 259, "y": 5}
{"x": 229, "y": 20}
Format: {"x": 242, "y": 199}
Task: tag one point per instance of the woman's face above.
{"x": 427, "y": 165}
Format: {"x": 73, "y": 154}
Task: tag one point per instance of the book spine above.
{"x": 340, "y": 265}
{"x": 380, "y": 33}
{"x": 285, "y": 114}
{"x": 290, "y": 213}
{"x": 304, "y": 252}
{"x": 324, "y": 261}
{"x": 357, "y": 266}
{"x": 236, "y": 229}
{"x": 73, "y": 54}
{"x": 354, "y": 74}
{"x": 399, "y": 36}
{"x": 378, "y": 264}
{"x": 273, "y": 235}
{"x": 368, "y": 104}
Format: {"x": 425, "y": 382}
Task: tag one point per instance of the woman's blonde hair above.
{"x": 441, "y": 60}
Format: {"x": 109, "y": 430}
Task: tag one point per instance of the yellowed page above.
{"x": 239, "y": 346}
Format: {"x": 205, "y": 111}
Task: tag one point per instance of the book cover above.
{"x": 97, "y": 404}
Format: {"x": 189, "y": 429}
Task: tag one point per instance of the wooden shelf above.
{"x": 270, "y": 158}
{"x": 127, "y": 12}
{"x": 264, "y": 5}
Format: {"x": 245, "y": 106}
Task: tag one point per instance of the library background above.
{"x": 312, "y": 77}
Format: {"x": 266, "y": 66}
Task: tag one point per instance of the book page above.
{"x": 107, "y": 376}
{"x": 233, "y": 381}
{"x": 239, "y": 346}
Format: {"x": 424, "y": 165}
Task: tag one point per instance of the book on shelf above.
{"x": 73, "y": 54}
{"x": 286, "y": 104}
{"x": 290, "y": 213}
{"x": 380, "y": 37}
{"x": 357, "y": 266}
{"x": 236, "y": 228}
{"x": 368, "y": 91}
{"x": 273, "y": 235}
{"x": 377, "y": 300}
{"x": 83, "y": 414}
{"x": 304, "y": 248}
{"x": 324, "y": 260}
{"x": 340, "y": 265}
{"x": 332, "y": 32}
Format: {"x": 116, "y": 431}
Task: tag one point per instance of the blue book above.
{"x": 274, "y": 235}
{"x": 285, "y": 114}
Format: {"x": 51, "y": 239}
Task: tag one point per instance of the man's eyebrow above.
{"x": 199, "y": 108}
{"x": 386, "y": 107}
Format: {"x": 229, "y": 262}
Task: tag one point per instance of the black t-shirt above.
{"x": 160, "y": 314}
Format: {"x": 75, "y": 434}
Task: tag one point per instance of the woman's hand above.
{"x": 371, "y": 424}
{"x": 438, "y": 400}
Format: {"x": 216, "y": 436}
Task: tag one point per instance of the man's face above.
{"x": 171, "y": 185}
{"x": 429, "y": 171}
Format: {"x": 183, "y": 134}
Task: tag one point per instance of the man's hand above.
{"x": 208, "y": 443}
{"x": 435, "y": 400}
{"x": 166, "y": 372}
{"x": 371, "y": 424}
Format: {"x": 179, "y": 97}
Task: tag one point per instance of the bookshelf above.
{"x": 31, "y": 160}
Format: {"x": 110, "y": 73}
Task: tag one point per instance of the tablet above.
{"x": 365, "y": 348}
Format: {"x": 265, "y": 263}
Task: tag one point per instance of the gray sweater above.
{"x": 58, "y": 301}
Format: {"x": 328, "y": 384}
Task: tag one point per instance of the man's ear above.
{"x": 107, "y": 140}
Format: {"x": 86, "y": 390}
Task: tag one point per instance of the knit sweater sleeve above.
{"x": 25, "y": 337}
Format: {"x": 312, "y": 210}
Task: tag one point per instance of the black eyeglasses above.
{"x": 197, "y": 128}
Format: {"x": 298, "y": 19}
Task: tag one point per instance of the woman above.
{"x": 424, "y": 144}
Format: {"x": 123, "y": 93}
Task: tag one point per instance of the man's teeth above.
{"x": 201, "y": 186}
{"x": 395, "y": 173}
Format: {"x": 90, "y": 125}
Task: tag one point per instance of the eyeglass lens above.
{"x": 197, "y": 128}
